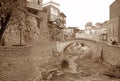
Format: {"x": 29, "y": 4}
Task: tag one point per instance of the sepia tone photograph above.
{"x": 59, "y": 40}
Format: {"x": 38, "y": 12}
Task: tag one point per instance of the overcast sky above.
{"x": 79, "y": 12}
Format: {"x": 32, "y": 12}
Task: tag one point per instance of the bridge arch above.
{"x": 79, "y": 48}
{"x": 95, "y": 48}
{"x": 109, "y": 54}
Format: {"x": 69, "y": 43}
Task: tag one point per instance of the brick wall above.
{"x": 115, "y": 9}
{"x": 16, "y": 64}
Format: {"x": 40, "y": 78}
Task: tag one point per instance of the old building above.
{"x": 96, "y": 32}
{"x": 56, "y": 20}
{"x": 115, "y": 9}
{"x": 55, "y": 16}
{"x": 113, "y": 25}
{"x": 52, "y": 10}
{"x": 88, "y": 27}
{"x": 62, "y": 18}
{"x": 113, "y": 30}
{"x": 35, "y": 4}
{"x": 69, "y": 33}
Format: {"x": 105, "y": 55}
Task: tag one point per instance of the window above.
{"x": 54, "y": 11}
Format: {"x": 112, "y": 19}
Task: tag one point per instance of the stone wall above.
{"x": 95, "y": 37}
{"x": 111, "y": 54}
{"x": 36, "y": 28}
{"x": 33, "y": 28}
{"x": 16, "y": 64}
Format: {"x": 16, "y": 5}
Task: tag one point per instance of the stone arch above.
{"x": 79, "y": 47}
{"x": 75, "y": 42}
{"x": 93, "y": 45}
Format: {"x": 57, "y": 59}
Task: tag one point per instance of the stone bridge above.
{"x": 108, "y": 53}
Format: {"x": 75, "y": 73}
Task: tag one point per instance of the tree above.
{"x": 7, "y": 8}
{"x": 88, "y": 24}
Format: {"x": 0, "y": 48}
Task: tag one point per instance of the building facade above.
{"x": 70, "y": 32}
{"x": 35, "y": 4}
{"x": 93, "y": 32}
{"x": 52, "y": 10}
{"x": 115, "y": 9}
{"x": 113, "y": 30}
{"x": 55, "y": 16}
{"x": 113, "y": 25}
{"x": 62, "y": 19}
{"x": 56, "y": 20}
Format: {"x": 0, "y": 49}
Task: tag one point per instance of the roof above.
{"x": 61, "y": 13}
{"x": 50, "y": 3}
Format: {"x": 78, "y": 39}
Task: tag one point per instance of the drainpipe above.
{"x": 20, "y": 35}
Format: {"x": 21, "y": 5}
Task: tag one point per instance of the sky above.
{"x": 79, "y": 12}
